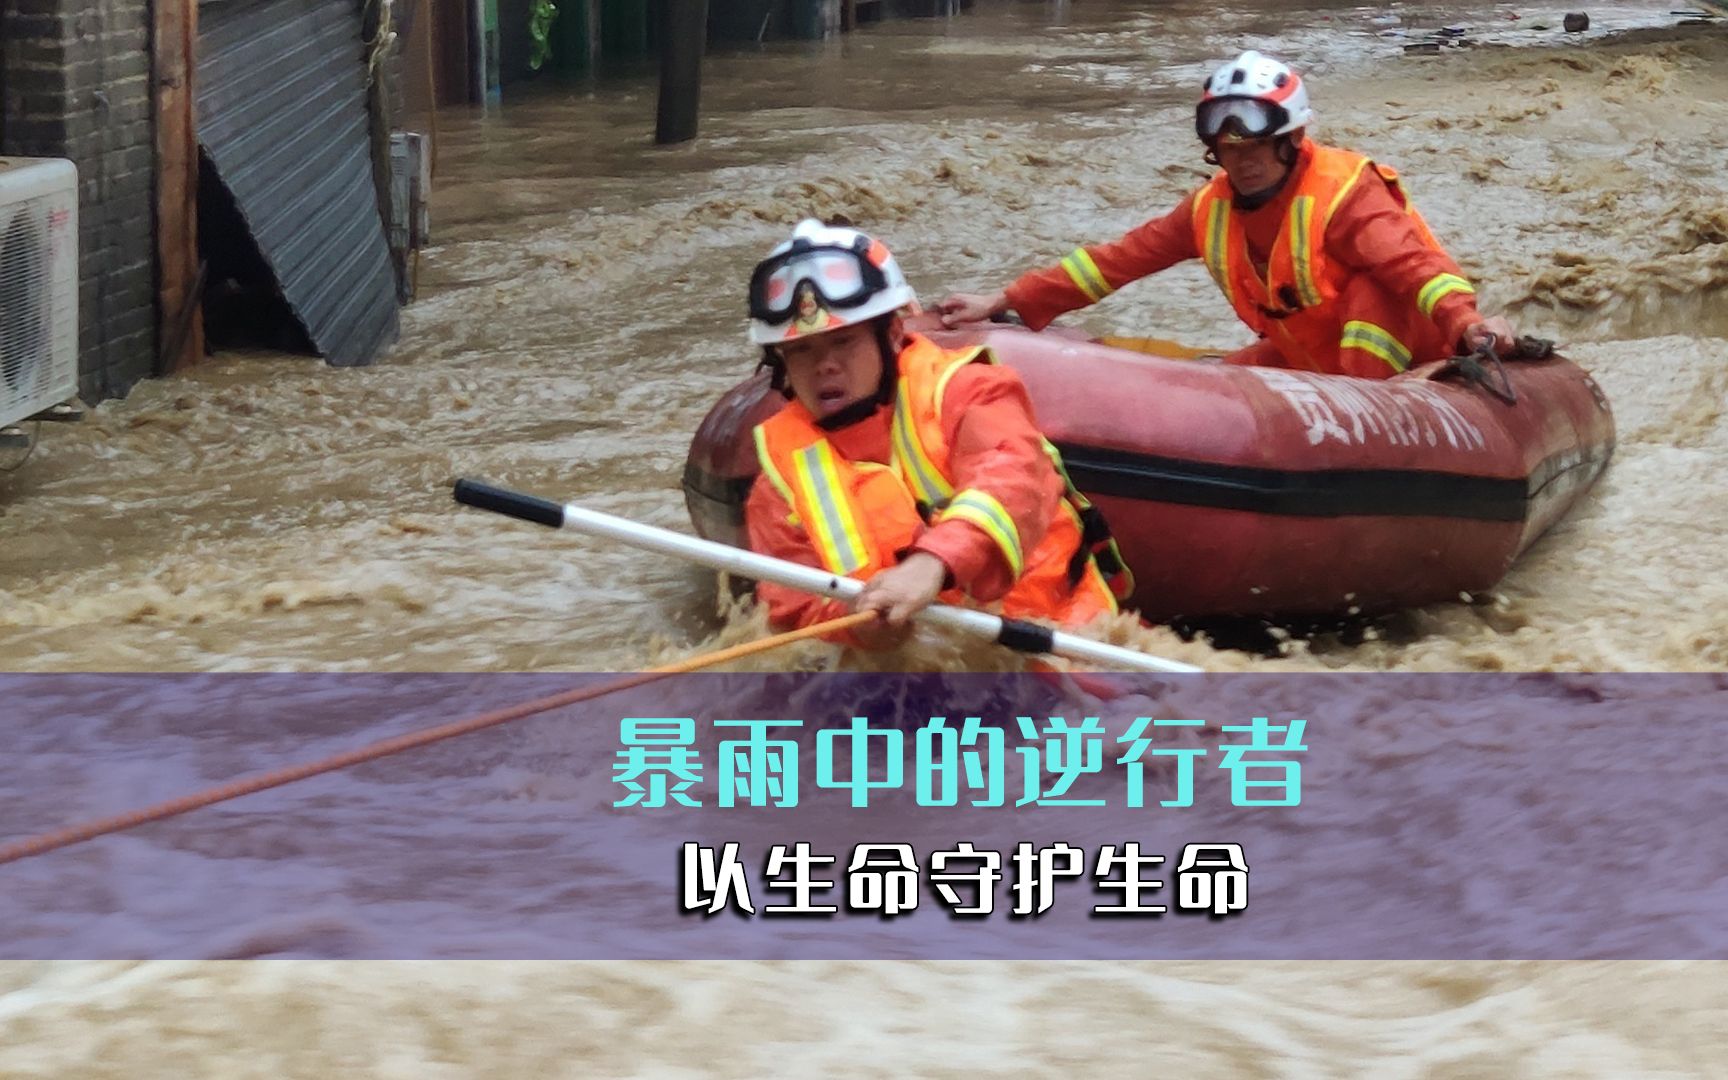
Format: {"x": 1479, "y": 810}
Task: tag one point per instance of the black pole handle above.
{"x": 1026, "y": 637}
{"x": 511, "y": 503}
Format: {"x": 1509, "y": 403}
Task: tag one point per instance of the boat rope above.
{"x": 74, "y": 834}
{"x": 1475, "y": 366}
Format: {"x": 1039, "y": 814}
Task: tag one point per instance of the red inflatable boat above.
{"x": 1252, "y": 491}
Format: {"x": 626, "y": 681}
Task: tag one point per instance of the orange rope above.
{"x": 75, "y": 834}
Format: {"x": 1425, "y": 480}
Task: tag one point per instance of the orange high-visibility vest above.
{"x": 862, "y": 516}
{"x": 1296, "y": 303}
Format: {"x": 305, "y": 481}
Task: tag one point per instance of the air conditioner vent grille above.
{"x": 38, "y": 287}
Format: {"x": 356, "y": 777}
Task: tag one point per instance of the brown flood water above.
{"x": 578, "y": 316}
{"x": 581, "y": 311}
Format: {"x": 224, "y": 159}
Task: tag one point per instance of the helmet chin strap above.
{"x": 1258, "y": 198}
{"x": 862, "y": 409}
{"x": 890, "y": 361}
{"x": 776, "y": 371}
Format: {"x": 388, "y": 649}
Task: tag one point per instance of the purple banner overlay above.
{"x": 790, "y": 816}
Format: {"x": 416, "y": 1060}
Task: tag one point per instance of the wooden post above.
{"x": 179, "y": 305}
{"x": 681, "y": 70}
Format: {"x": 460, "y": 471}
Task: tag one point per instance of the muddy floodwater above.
{"x": 579, "y": 312}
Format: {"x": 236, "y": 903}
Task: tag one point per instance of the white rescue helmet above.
{"x": 1252, "y": 97}
{"x": 823, "y": 278}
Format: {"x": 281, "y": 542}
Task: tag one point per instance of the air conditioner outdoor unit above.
{"x": 38, "y": 286}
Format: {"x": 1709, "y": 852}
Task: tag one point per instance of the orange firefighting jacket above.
{"x": 1339, "y": 272}
{"x": 858, "y": 516}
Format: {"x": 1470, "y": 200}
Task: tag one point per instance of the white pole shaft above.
{"x": 780, "y": 572}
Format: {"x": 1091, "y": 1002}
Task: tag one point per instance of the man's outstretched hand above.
{"x": 971, "y": 307}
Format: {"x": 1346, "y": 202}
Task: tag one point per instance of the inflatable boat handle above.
{"x": 1026, "y": 637}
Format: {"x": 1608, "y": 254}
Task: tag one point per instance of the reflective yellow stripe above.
{"x": 834, "y": 529}
{"x": 771, "y": 470}
{"x": 1098, "y": 579}
{"x": 1217, "y": 246}
{"x": 967, "y": 357}
{"x": 981, "y": 509}
{"x": 1301, "y": 251}
{"x": 928, "y": 484}
{"x": 1084, "y": 273}
{"x": 1403, "y": 194}
{"x": 1345, "y": 190}
{"x": 1374, "y": 339}
{"x": 1076, "y": 501}
{"x": 1055, "y": 457}
{"x": 1438, "y": 288}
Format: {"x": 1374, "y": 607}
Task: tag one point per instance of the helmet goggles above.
{"x": 842, "y": 277}
{"x": 1243, "y": 117}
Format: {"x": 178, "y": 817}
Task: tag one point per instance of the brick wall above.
{"x": 75, "y": 83}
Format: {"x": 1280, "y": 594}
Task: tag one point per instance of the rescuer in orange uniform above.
{"x": 915, "y": 468}
{"x": 1318, "y": 249}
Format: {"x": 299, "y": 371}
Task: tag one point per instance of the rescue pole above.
{"x": 1014, "y": 633}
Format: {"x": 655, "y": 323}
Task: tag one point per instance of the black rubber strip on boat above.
{"x": 1327, "y": 493}
{"x": 1321, "y": 493}
{"x": 728, "y": 492}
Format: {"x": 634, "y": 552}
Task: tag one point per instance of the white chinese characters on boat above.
{"x": 1353, "y": 411}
